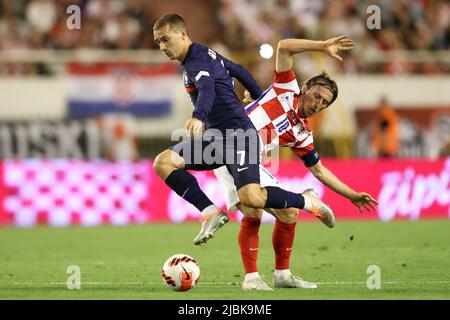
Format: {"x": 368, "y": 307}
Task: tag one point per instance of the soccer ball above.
{"x": 180, "y": 272}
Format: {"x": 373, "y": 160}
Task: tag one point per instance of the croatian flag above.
{"x": 140, "y": 90}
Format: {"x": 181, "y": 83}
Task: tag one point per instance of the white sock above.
{"x": 308, "y": 203}
{"x": 251, "y": 276}
{"x": 210, "y": 209}
{"x": 282, "y": 274}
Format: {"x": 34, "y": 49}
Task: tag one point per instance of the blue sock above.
{"x": 186, "y": 186}
{"x": 278, "y": 199}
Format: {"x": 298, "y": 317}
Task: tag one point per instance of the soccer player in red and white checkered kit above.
{"x": 280, "y": 116}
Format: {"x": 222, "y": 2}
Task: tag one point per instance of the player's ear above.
{"x": 183, "y": 34}
{"x": 304, "y": 87}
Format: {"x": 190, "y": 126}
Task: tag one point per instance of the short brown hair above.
{"x": 174, "y": 20}
{"x": 324, "y": 79}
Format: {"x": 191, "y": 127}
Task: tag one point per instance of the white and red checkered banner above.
{"x": 63, "y": 192}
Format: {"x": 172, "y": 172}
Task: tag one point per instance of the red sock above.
{"x": 282, "y": 241}
{"x": 248, "y": 242}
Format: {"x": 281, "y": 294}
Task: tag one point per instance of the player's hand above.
{"x": 247, "y": 98}
{"x": 194, "y": 127}
{"x": 364, "y": 200}
{"x": 333, "y": 45}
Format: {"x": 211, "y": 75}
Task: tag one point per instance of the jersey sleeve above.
{"x": 286, "y": 80}
{"x": 200, "y": 70}
{"x": 244, "y": 77}
{"x": 307, "y": 152}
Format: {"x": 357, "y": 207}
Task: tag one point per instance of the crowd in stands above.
{"x": 405, "y": 26}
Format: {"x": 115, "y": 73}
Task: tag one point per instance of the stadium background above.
{"x": 83, "y": 112}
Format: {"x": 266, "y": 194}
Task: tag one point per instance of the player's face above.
{"x": 314, "y": 100}
{"x": 170, "y": 41}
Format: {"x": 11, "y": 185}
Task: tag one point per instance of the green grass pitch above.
{"x": 126, "y": 262}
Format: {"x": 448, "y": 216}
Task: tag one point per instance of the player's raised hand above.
{"x": 333, "y": 45}
{"x": 364, "y": 200}
{"x": 194, "y": 127}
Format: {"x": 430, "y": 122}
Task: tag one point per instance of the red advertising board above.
{"x": 72, "y": 192}
{"x": 2, "y": 193}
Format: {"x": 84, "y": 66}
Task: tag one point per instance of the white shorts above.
{"x": 226, "y": 182}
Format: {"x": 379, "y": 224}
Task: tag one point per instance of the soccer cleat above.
{"x": 256, "y": 284}
{"x": 293, "y": 282}
{"x": 320, "y": 209}
{"x": 211, "y": 223}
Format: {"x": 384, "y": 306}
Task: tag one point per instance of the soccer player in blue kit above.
{"x": 230, "y": 136}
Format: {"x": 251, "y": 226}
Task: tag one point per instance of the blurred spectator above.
{"x": 41, "y": 15}
{"x": 385, "y": 136}
{"x": 121, "y": 31}
{"x": 119, "y": 137}
{"x": 104, "y": 9}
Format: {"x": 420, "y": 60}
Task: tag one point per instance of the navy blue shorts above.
{"x": 239, "y": 152}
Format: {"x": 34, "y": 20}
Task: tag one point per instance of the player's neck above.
{"x": 186, "y": 50}
{"x": 300, "y": 109}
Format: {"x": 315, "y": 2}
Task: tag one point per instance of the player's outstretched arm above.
{"x": 244, "y": 76}
{"x": 288, "y": 47}
{"x": 362, "y": 200}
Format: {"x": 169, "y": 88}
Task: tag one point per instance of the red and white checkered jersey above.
{"x": 275, "y": 115}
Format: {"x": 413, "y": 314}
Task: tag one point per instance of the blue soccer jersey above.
{"x": 208, "y": 78}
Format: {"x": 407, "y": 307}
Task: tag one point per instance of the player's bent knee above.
{"x": 251, "y": 212}
{"x": 158, "y": 163}
{"x": 166, "y": 162}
